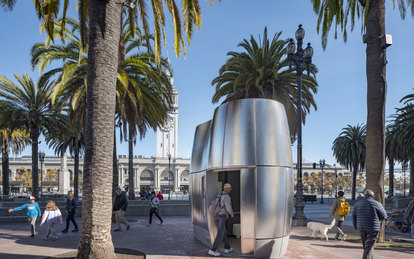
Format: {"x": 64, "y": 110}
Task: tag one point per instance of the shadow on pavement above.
{"x": 19, "y": 256}
{"x": 393, "y": 248}
{"x": 121, "y": 253}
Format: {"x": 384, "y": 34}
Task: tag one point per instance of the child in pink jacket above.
{"x": 52, "y": 215}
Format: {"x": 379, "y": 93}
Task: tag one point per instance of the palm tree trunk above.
{"x": 131, "y": 165}
{"x": 5, "y": 168}
{"x": 377, "y": 89}
{"x": 411, "y": 176}
{"x": 34, "y": 136}
{"x": 376, "y": 93}
{"x": 354, "y": 176}
{"x": 104, "y": 30}
{"x": 76, "y": 174}
{"x": 391, "y": 177}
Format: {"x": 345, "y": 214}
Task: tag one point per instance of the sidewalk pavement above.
{"x": 174, "y": 239}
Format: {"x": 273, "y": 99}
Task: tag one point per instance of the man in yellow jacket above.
{"x": 338, "y": 218}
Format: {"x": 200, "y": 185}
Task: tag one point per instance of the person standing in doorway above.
{"x": 154, "y": 202}
{"x": 338, "y": 218}
{"x": 409, "y": 216}
{"x": 33, "y": 211}
{"x": 226, "y": 210}
{"x": 71, "y": 204}
{"x": 120, "y": 205}
{"x": 366, "y": 218}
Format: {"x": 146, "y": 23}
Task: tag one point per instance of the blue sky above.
{"x": 341, "y": 98}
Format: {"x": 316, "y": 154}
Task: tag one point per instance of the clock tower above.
{"x": 167, "y": 136}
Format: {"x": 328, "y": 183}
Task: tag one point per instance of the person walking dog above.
{"x": 226, "y": 210}
{"x": 71, "y": 204}
{"x": 33, "y": 211}
{"x": 337, "y": 211}
{"x": 120, "y": 205}
{"x": 366, "y": 218}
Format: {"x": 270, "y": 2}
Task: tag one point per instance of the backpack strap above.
{"x": 219, "y": 203}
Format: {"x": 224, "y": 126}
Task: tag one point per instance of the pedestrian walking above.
{"x": 154, "y": 202}
{"x": 120, "y": 205}
{"x": 51, "y": 215}
{"x": 339, "y": 219}
{"x": 71, "y": 204}
{"x": 33, "y": 211}
{"x": 409, "y": 216}
{"x": 366, "y": 216}
{"x": 226, "y": 210}
{"x": 160, "y": 196}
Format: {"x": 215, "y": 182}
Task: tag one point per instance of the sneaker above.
{"x": 32, "y": 235}
{"x": 344, "y": 237}
{"x": 213, "y": 253}
{"x": 161, "y": 223}
{"x": 65, "y": 231}
{"x": 118, "y": 229}
{"x": 75, "y": 230}
{"x": 127, "y": 227}
{"x": 228, "y": 251}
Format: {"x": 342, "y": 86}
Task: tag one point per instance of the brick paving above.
{"x": 174, "y": 239}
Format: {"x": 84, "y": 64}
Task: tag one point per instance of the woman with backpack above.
{"x": 338, "y": 211}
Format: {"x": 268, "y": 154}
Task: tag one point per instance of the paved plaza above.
{"x": 174, "y": 239}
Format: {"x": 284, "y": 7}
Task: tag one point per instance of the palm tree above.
{"x": 143, "y": 94}
{"x": 28, "y": 107}
{"x": 390, "y": 152}
{"x": 104, "y": 32}
{"x": 373, "y": 14}
{"x": 17, "y": 140}
{"x": 262, "y": 71}
{"x": 404, "y": 124}
{"x": 349, "y": 150}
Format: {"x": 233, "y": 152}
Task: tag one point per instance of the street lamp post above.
{"x": 41, "y": 159}
{"x": 322, "y": 164}
{"x": 299, "y": 58}
{"x": 169, "y": 171}
{"x": 336, "y": 182}
{"x": 404, "y": 168}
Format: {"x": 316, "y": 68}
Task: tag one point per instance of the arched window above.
{"x": 147, "y": 175}
{"x": 164, "y": 175}
{"x": 185, "y": 176}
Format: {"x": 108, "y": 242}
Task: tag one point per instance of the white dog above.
{"x": 322, "y": 228}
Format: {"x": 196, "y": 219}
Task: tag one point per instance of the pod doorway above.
{"x": 233, "y": 224}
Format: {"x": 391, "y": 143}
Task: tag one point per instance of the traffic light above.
{"x": 314, "y": 165}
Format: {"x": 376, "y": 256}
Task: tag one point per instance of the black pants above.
{"x": 71, "y": 217}
{"x": 369, "y": 238}
{"x": 152, "y": 211}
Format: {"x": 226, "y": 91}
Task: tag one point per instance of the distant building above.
{"x": 311, "y": 178}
